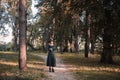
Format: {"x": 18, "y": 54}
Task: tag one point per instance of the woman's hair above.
{"x": 49, "y": 41}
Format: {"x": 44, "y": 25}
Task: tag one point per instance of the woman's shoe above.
{"x": 49, "y": 69}
{"x": 53, "y": 70}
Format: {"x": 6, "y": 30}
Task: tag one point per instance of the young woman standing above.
{"x": 51, "y": 60}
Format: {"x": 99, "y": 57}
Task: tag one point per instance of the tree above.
{"x": 13, "y": 10}
{"x": 100, "y": 18}
{"x": 22, "y": 35}
{"x": 111, "y": 11}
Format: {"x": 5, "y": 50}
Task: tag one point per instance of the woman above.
{"x": 51, "y": 60}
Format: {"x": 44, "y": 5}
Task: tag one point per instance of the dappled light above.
{"x": 9, "y": 63}
{"x": 59, "y": 39}
{"x": 86, "y": 68}
{"x": 75, "y": 63}
{"x": 9, "y": 58}
{"x": 29, "y": 65}
{"x": 9, "y": 67}
{"x": 91, "y": 66}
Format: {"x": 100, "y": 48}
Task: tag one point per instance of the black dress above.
{"x": 51, "y": 60}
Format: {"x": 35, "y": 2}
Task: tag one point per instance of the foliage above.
{"x": 6, "y": 47}
{"x": 68, "y": 21}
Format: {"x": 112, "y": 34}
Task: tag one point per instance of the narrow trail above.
{"x": 61, "y": 71}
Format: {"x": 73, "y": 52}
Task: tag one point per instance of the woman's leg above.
{"x": 49, "y": 68}
{"x": 52, "y": 69}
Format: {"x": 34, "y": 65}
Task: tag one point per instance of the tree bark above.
{"x": 65, "y": 46}
{"x": 43, "y": 41}
{"x": 92, "y": 47}
{"x": 86, "y": 47}
{"x": 15, "y": 33}
{"x": 76, "y": 44}
{"x": 22, "y": 35}
{"x": 106, "y": 56}
{"x": 87, "y": 35}
{"x": 61, "y": 43}
{"x": 70, "y": 41}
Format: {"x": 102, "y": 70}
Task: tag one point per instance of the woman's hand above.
{"x": 51, "y": 49}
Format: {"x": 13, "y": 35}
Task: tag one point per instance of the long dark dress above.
{"x": 51, "y": 60}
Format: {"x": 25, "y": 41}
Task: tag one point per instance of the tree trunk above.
{"x": 43, "y": 41}
{"x": 15, "y": 33}
{"x": 75, "y": 33}
{"x": 76, "y": 44}
{"x": 15, "y": 43}
{"x": 92, "y": 47}
{"x": 106, "y": 56}
{"x": 47, "y": 39}
{"x": 92, "y": 40}
{"x": 61, "y": 43}
{"x": 70, "y": 46}
{"x": 22, "y": 35}
{"x": 65, "y": 46}
{"x": 87, "y": 35}
{"x": 86, "y": 47}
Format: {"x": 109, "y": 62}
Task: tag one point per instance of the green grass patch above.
{"x": 97, "y": 75}
{"x": 9, "y": 67}
{"x": 91, "y": 68}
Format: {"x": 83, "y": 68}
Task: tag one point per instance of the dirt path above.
{"x": 61, "y": 71}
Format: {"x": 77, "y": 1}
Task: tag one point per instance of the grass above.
{"x": 9, "y": 67}
{"x": 83, "y": 68}
{"x": 90, "y": 68}
{"x": 97, "y": 75}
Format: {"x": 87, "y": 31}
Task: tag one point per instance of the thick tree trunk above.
{"x": 22, "y": 35}
{"x": 106, "y": 56}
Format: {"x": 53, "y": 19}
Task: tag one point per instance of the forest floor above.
{"x": 62, "y": 71}
{"x": 76, "y": 67}
{"x": 90, "y": 68}
{"x": 9, "y": 68}
{"x": 70, "y": 66}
